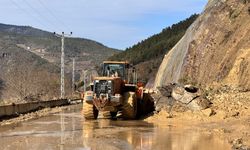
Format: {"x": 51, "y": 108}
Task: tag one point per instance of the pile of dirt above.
{"x": 228, "y": 116}
{"x": 230, "y": 102}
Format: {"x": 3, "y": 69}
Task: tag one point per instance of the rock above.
{"x": 238, "y": 145}
{"x": 179, "y": 107}
{"x": 167, "y": 89}
{"x": 208, "y": 112}
{"x": 164, "y": 103}
{"x": 188, "y": 96}
{"x": 235, "y": 114}
{"x": 199, "y": 104}
{"x": 177, "y": 93}
{"x": 155, "y": 97}
{"x": 185, "y": 94}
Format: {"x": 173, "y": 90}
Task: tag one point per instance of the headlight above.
{"x": 110, "y": 85}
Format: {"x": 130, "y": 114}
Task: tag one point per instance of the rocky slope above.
{"x": 214, "y": 50}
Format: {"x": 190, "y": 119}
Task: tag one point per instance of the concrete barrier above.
{"x": 16, "y": 109}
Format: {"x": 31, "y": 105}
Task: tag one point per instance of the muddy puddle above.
{"x": 69, "y": 130}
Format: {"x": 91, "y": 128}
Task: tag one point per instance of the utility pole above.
{"x": 62, "y": 36}
{"x": 62, "y": 67}
{"x": 73, "y": 76}
{"x": 84, "y": 80}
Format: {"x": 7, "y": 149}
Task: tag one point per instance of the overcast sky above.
{"x": 115, "y": 23}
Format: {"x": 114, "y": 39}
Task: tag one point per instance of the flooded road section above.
{"x": 69, "y": 130}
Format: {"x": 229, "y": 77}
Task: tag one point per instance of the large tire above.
{"x": 104, "y": 115}
{"x": 107, "y": 115}
{"x": 89, "y": 111}
{"x": 129, "y": 108}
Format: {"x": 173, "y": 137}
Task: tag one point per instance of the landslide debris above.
{"x": 214, "y": 54}
{"x": 181, "y": 98}
{"x": 228, "y": 114}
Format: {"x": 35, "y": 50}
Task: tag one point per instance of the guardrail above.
{"x": 16, "y": 109}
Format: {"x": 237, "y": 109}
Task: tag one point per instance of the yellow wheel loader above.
{"x": 113, "y": 94}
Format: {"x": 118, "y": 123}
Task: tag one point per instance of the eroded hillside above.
{"x": 215, "y": 48}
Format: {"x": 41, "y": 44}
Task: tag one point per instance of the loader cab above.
{"x": 115, "y": 69}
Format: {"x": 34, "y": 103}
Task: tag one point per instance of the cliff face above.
{"x": 215, "y": 48}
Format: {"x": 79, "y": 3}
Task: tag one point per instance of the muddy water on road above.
{"x": 68, "y": 130}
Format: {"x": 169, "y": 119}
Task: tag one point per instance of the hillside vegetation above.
{"x": 147, "y": 54}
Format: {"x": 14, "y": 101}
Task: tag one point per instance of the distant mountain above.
{"x": 30, "y": 61}
{"x": 23, "y": 30}
{"x": 148, "y": 54}
{"x": 88, "y": 53}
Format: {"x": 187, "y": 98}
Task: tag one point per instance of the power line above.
{"x": 39, "y": 14}
{"x": 28, "y": 13}
{"x": 53, "y": 15}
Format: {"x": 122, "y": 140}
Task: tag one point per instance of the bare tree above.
{"x": 30, "y": 84}
{"x": 18, "y": 81}
{"x": 1, "y": 88}
{"x": 49, "y": 84}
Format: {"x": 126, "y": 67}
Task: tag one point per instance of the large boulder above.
{"x": 186, "y": 97}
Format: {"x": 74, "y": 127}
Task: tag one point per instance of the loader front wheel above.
{"x": 89, "y": 111}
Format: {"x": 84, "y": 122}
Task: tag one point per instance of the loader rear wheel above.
{"x": 89, "y": 111}
{"x": 129, "y": 108}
